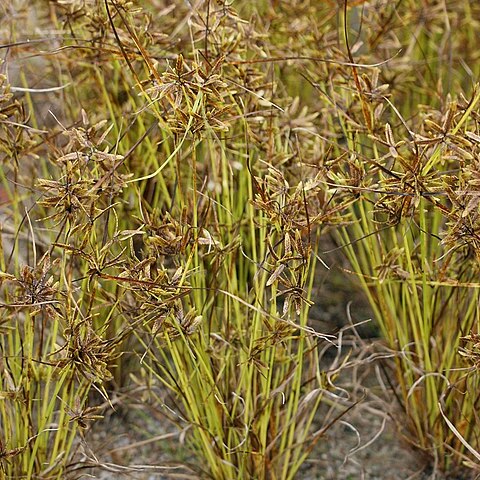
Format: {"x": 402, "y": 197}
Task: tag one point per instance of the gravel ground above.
{"x": 362, "y": 446}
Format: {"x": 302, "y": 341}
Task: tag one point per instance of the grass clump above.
{"x": 226, "y": 318}
{"x": 419, "y": 272}
{"x": 410, "y": 164}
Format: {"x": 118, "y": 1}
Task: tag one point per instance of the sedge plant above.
{"x": 225, "y": 279}
{"x": 408, "y": 157}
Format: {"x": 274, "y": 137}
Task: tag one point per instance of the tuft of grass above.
{"x": 224, "y": 283}
{"x": 410, "y": 164}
